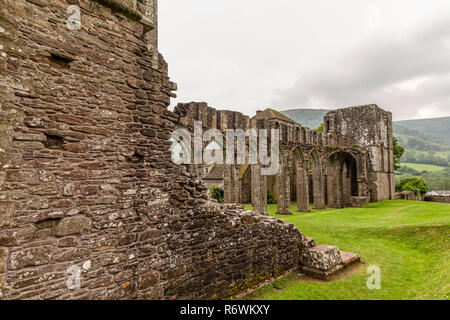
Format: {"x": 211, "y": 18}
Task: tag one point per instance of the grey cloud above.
{"x": 368, "y": 74}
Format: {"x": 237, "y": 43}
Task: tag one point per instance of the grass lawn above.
{"x": 409, "y": 241}
{"x": 421, "y": 167}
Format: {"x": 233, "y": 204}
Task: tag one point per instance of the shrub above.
{"x": 217, "y": 193}
{"x": 398, "y": 153}
{"x": 270, "y": 197}
{"x": 415, "y": 185}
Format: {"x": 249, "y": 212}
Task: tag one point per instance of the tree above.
{"x": 217, "y": 193}
{"x": 320, "y": 128}
{"x": 416, "y": 185}
{"x": 398, "y": 153}
{"x": 270, "y": 197}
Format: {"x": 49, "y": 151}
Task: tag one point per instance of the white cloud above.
{"x": 247, "y": 55}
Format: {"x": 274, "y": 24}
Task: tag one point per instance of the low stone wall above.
{"x": 408, "y": 195}
{"x": 441, "y": 199}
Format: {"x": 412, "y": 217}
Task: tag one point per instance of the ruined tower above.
{"x": 369, "y": 127}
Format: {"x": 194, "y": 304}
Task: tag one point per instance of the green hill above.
{"x": 310, "y": 118}
{"x": 438, "y": 128}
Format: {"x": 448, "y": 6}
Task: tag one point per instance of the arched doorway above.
{"x": 342, "y": 180}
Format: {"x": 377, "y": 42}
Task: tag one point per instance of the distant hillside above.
{"x": 438, "y": 128}
{"x": 428, "y": 131}
{"x": 310, "y": 118}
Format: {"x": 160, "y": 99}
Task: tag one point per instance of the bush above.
{"x": 415, "y": 185}
{"x": 398, "y": 153}
{"x": 217, "y": 193}
{"x": 270, "y": 197}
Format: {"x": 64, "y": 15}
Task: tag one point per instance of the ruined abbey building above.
{"x": 348, "y": 165}
{"x": 91, "y": 205}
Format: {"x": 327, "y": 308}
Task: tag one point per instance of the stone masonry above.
{"x": 347, "y": 165}
{"x": 91, "y": 205}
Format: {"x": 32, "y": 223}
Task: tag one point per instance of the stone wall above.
{"x": 408, "y": 195}
{"x": 88, "y": 191}
{"x": 338, "y": 159}
{"x": 440, "y": 199}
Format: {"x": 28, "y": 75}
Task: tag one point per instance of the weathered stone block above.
{"x": 71, "y": 226}
{"x": 30, "y": 145}
{"x": 6, "y": 212}
{"x": 321, "y": 261}
{"x": 3, "y": 258}
{"x": 76, "y": 147}
{"x": 29, "y": 257}
{"x": 21, "y": 176}
{"x": 45, "y": 189}
{"x": 19, "y": 136}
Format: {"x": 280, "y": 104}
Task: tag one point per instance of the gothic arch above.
{"x": 342, "y": 179}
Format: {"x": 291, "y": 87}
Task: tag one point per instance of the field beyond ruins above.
{"x": 408, "y": 240}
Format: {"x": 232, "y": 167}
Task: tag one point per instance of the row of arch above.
{"x": 311, "y": 179}
{"x": 297, "y": 134}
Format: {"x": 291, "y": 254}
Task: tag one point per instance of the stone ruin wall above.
{"x": 86, "y": 179}
{"x": 440, "y": 199}
{"x": 371, "y": 128}
{"x": 363, "y": 133}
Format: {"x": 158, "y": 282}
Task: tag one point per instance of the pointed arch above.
{"x": 342, "y": 179}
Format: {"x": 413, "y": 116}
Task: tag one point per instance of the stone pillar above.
{"x": 284, "y": 189}
{"x": 259, "y": 190}
{"x": 318, "y": 189}
{"x": 149, "y": 9}
{"x": 302, "y": 189}
{"x": 334, "y": 190}
{"x": 227, "y": 184}
{"x": 231, "y": 184}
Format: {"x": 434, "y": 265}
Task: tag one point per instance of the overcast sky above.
{"x": 248, "y": 55}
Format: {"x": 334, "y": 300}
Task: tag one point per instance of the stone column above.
{"x": 302, "y": 190}
{"x": 318, "y": 189}
{"x": 259, "y": 190}
{"x": 232, "y": 184}
{"x": 284, "y": 189}
{"x": 228, "y": 184}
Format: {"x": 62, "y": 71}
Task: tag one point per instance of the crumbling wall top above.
{"x": 144, "y": 11}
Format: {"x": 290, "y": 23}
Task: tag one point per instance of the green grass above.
{"x": 409, "y": 241}
{"x": 423, "y": 167}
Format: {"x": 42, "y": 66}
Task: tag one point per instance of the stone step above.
{"x": 322, "y": 262}
{"x": 348, "y": 258}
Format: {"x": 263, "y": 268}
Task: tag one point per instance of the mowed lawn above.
{"x": 423, "y": 167}
{"x": 408, "y": 240}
